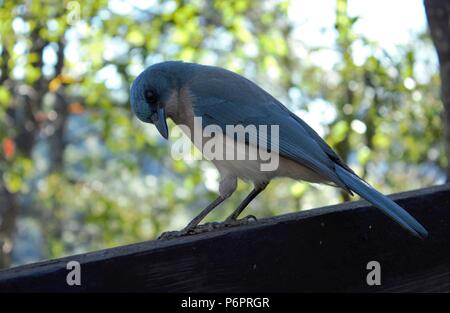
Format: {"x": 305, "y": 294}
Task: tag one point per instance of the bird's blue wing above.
{"x": 224, "y": 98}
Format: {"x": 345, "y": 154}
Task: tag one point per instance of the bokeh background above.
{"x": 78, "y": 172}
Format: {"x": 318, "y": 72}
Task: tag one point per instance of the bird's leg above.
{"x": 226, "y": 188}
{"x": 232, "y": 219}
{"x": 195, "y": 221}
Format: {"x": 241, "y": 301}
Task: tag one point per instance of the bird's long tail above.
{"x": 389, "y": 207}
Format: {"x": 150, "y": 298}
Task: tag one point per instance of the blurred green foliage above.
{"x": 92, "y": 176}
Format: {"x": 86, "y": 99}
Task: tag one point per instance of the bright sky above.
{"x": 388, "y": 22}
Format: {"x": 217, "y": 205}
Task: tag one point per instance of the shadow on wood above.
{"x": 324, "y": 250}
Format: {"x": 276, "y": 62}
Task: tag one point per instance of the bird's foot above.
{"x": 249, "y": 219}
{"x": 199, "y": 229}
{"x": 172, "y": 234}
{"x": 190, "y": 231}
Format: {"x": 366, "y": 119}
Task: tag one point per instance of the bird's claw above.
{"x": 249, "y": 219}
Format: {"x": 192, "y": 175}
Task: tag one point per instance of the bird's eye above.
{"x": 150, "y": 96}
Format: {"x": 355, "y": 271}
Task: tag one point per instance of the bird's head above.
{"x": 149, "y": 96}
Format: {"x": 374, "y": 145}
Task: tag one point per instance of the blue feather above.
{"x": 389, "y": 207}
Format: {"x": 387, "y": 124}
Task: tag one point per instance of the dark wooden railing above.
{"x": 326, "y": 249}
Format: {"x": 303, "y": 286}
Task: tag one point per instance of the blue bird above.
{"x": 220, "y": 98}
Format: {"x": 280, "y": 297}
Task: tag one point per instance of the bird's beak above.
{"x": 159, "y": 119}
